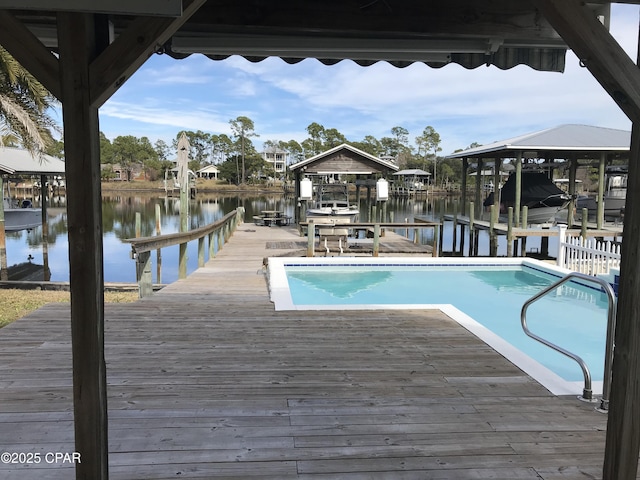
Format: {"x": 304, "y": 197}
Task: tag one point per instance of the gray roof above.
{"x": 580, "y": 139}
{"x": 383, "y": 163}
{"x": 21, "y": 162}
{"x": 412, "y": 171}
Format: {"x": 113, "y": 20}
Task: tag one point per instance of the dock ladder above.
{"x": 587, "y": 393}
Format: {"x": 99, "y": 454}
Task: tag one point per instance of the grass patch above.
{"x": 16, "y": 303}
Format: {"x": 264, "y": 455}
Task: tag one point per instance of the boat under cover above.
{"x": 543, "y": 199}
{"x": 22, "y": 217}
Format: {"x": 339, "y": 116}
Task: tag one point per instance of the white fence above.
{"x": 587, "y": 255}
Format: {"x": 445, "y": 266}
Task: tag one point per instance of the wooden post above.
{"x": 182, "y": 260}
{"x": 623, "y": 435}
{"x": 573, "y": 166}
{"x": 600, "y": 204}
{"x": 158, "y": 251}
{"x": 455, "y": 232}
{"x": 478, "y": 202}
{"x": 138, "y": 225}
{"x": 496, "y": 181}
{"x": 584, "y": 225}
{"x": 143, "y": 274}
{"x": 212, "y": 247}
{"x": 472, "y": 230}
{"x": 376, "y": 239}
{"x": 510, "y": 232}
{"x": 516, "y": 206}
{"x": 463, "y": 187}
{"x": 493, "y": 241}
{"x": 4, "y": 272}
{"x": 523, "y": 240}
{"x": 201, "y": 252}
{"x": 311, "y": 238}
{"x": 46, "y": 273}
{"x": 544, "y": 246}
{"x": 77, "y": 47}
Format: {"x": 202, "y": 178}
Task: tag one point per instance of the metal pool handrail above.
{"x": 587, "y": 393}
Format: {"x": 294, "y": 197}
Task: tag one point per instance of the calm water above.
{"x": 119, "y": 213}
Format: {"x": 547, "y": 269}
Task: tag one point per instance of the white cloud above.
{"x": 464, "y": 106}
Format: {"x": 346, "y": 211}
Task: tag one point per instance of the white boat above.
{"x": 615, "y": 195}
{"x": 332, "y": 199}
{"x": 20, "y": 217}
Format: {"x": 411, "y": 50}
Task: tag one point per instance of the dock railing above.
{"x": 374, "y": 228}
{"x": 217, "y": 232}
{"x": 587, "y": 255}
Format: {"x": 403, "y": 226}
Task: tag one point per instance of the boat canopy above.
{"x": 536, "y": 189}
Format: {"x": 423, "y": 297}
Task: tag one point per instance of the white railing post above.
{"x": 562, "y": 234}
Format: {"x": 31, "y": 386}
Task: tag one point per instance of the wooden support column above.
{"x": 46, "y": 273}
{"x": 78, "y": 47}
{"x": 496, "y": 182}
{"x": 465, "y": 171}
{"x": 600, "y": 199}
{"x": 478, "y": 201}
{"x": 573, "y": 167}
{"x": 623, "y": 425}
{"x": 4, "y": 272}
{"x": 516, "y": 206}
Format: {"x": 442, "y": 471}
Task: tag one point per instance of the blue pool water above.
{"x": 574, "y": 316}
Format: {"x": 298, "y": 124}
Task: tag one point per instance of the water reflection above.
{"x": 119, "y": 223}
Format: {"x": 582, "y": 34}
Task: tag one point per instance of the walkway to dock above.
{"x": 206, "y": 380}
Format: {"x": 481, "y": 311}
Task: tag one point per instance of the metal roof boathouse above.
{"x": 565, "y": 146}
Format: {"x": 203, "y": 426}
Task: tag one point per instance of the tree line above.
{"x": 239, "y": 160}
{"x": 25, "y": 122}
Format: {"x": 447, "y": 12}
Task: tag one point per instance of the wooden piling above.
{"x": 311, "y": 238}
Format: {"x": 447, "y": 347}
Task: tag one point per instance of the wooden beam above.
{"x": 131, "y": 49}
{"x": 623, "y": 423}
{"x": 623, "y": 426}
{"x": 77, "y": 44}
{"x": 597, "y": 50}
{"x": 25, "y": 47}
{"x": 121, "y": 7}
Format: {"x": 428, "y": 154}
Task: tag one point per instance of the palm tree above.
{"x": 23, "y": 107}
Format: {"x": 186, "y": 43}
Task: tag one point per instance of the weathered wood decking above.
{"x": 206, "y": 380}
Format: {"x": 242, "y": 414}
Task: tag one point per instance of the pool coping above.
{"x": 281, "y": 298}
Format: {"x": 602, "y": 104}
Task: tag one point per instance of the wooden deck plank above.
{"x": 206, "y": 380}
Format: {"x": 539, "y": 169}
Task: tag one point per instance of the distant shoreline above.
{"x": 202, "y": 186}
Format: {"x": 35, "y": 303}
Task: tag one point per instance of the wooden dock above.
{"x": 519, "y": 235}
{"x": 206, "y": 380}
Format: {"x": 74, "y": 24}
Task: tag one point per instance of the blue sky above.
{"x": 464, "y": 106}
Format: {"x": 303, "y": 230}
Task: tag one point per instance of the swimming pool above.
{"x": 483, "y": 295}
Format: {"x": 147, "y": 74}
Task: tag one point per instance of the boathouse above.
{"x": 566, "y": 146}
{"x": 343, "y": 160}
